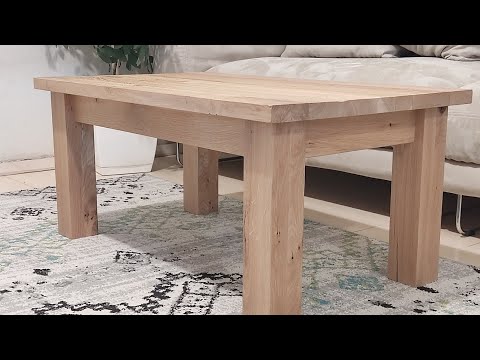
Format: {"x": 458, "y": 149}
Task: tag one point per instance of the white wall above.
{"x": 25, "y": 115}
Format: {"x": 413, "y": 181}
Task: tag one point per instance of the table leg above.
{"x": 200, "y": 180}
{"x": 416, "y": 201}
{"x": 273, "y": 219}
{"x": 74, "y": 172}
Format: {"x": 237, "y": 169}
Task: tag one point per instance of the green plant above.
{"x": 133, "y": 56}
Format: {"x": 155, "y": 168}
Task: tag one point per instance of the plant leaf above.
{"x": 134, "y": 56}
{"x": 115, "y": 54}
{"x": 104, "y": 56}
{"x": 150, "y": 64}
{"x": 132, "y": 59}
{"x": 142, "y": 54}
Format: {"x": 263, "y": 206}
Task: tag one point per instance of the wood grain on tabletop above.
{"x": 257, "y": 98}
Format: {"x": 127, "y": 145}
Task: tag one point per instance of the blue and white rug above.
{"x": 153, "y": 258}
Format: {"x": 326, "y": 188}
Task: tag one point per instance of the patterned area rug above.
{"x": 153, "y": 258}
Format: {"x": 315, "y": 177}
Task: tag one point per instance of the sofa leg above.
{"x": 177, "y": 153}
{"x": 458, "y": 219}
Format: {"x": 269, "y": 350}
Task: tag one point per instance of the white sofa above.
{"x": 462, "y": 168}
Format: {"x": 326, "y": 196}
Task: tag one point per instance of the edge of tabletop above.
{"x": 372, "y": 106}
{"x": 232, "y": 109}
{"x": 278, "y": 113}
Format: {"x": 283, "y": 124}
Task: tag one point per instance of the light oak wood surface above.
{"x": 200, "y": 180}
{"x": 275, "y": 123}
{"x": 333, "y": 136}
{"x": 254, "y": 98}
{"x": 273, "y": 219}
{"x": 416, "y": 202}
{"x": 207, "y": 131}
{"x": 74, "y": 171}
{"x": 328, "y": 136}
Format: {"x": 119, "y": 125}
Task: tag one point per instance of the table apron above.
{"x": 231, "y": 135}
{"x": 332, "y": 136}
{"x": 207, "y": 131}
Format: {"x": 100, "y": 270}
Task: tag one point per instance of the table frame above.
{"x": 274, "y": 176}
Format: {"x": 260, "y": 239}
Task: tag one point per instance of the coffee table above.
{"x": 275, "y": 123}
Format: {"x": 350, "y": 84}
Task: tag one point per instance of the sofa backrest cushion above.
{"x": 183, "y": 58}
{"x": 343, "y": 51}
{"x": 450, "y": 52}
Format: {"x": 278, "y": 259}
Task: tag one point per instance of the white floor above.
{"x": 349, "y": 202}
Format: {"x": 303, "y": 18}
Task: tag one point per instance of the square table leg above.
{"x": 416, "y": 201}
{"x": 273, "y": 219}
{"x": 74, "y": 171}
{"x": 200, "y": 180}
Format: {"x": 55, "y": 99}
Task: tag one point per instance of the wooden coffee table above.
{"x": 275, "y": 123}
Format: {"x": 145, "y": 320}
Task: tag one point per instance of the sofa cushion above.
{"x": 450, "y": 52}
{"x": 463, "y": 134}
{"x": 184, "y": 58}
{"x": 342, "y": 51}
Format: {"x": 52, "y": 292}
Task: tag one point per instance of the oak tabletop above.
{"x": 257, "y": 98}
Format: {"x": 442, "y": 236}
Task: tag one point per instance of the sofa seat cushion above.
{"x": 185, "y": 58}
{"x": 463, "y": 134}
{"x": 342, "y": 51}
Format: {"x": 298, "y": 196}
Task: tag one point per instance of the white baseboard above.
{"x": 26, "y": 166}
{"x": 46, "y": 164}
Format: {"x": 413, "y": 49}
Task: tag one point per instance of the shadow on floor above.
{"x": 144, "y": 229}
